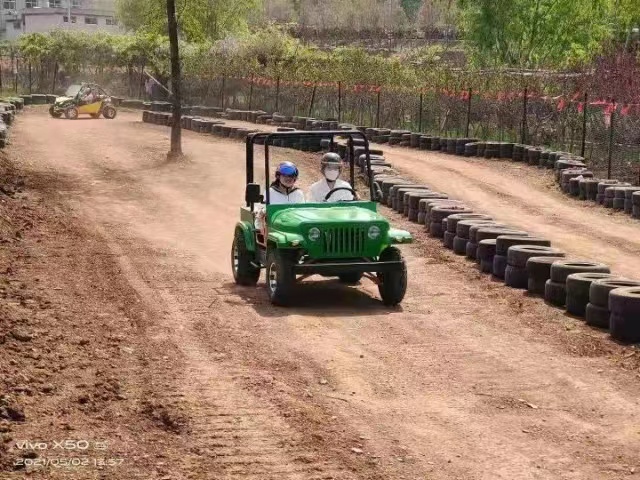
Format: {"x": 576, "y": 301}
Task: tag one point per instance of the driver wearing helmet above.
{"x": 331, "y": 167}
{"x": 282, "y": 190}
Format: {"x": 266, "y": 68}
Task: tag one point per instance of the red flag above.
{"x": 580, "y": 107}
{"x": 561, "y": 104}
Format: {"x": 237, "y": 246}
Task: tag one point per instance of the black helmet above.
{"x": 331, "y": 159}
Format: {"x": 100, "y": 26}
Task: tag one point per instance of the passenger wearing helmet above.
{"x": 282, "y": 190}
{"x": 331, "y": 169}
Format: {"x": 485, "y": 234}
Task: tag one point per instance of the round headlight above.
{"x": 314, "y": 234}
{"x": 374, "y": 232}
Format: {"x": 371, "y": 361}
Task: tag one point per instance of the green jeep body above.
{"x": 344, "y": 239}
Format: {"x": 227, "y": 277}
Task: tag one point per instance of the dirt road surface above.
{"x": 142, "y": 340}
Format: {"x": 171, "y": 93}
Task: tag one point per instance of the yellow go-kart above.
{"x": 84, "y": 99}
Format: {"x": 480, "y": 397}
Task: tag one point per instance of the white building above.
{"x": 28, "y": 16}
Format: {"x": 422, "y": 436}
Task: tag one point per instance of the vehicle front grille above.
{"x": 344, "y": 241}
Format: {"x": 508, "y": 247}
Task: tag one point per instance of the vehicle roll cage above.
{"x": 267, "y": 138}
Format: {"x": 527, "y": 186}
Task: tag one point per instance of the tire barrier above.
{"x": 9, "y": 107}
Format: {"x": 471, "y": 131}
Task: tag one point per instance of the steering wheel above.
{"x": 333, "y": 190}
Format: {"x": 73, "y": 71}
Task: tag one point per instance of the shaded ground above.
{"x": 139, "y": 338}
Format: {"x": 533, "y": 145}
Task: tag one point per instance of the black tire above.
{"x": 600, "y": 289}
{"x": 635, "y": 212}
{"x": 578, "y": 286}
{"x": 350, "y": 278}
{"x": 53, "y": 113}
{"x": 539, "y": 268}
{"x": 495, "y": 232}
{"x": 515, "y": 277}
{"x": 421, "y": 217}
{"x": 71, "y": 113}
{"x": 471, "y": 250}
{"x": 624, "y": 328}
{"x": 393, "y": 285}
{"x": 473, "y": 229}
{"x": 555, "y": 293}
{"x": 244, "y": 273}
{"x": 503, "y": 242}
{"x": 518, "y": 255}
{"x": 448, "y": 240}
{"x": 561, "y": 269}
{"x": 618, "y": 203}
{"x": 597, "y": 316}
{"x": 535, "y": 286}
{"x": 486, "y": 249}
{"x": 625, "y": 302}
{"x": 280, "y": 277}
{"x": 413, "y": 215}
{"x": 452, "y": 224}
{"x": 486, "y": 265}
{"x": 463, "y": 227}
{"x": 460, "y": 245}
{"x": 499, "y": 266}
{"x": 435, "y": 229}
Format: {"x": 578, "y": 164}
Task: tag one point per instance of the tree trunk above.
{"x": 176, "y": 137}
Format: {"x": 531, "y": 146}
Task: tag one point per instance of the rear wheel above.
{"x": 280, "y": 276}
{"x": 71, "y": 113}
{"x": 109, "y": 112}
{"x": 393, "y": 285}
{"x": 244, "y": 273}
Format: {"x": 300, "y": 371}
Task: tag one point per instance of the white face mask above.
{"x": 331, "y": 174}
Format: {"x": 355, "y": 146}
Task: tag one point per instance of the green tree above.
{"x": 536, "y": 33}
{"x": 197, "y": 20}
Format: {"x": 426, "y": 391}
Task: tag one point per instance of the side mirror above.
{"x": 377, "y": 192}
{"x": 252, "y": 193}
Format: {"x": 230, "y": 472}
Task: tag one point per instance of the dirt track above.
{"x": 468, "y": 379}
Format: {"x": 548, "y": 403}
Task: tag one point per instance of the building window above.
{"x": 9, "y": 4}
{"x": 76, "y": 3}
{"x": 55, "y": 3}
{"x": 17, "y": 25}
{"x": 65, "y": 19}
{"x": 91, "y": 20}
{"x": 31, "y": 3}
{"x": 111, "y": 21}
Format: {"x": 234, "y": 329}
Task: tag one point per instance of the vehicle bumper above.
{"x": 334, "y": 269}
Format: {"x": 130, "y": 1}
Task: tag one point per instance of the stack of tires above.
{"x": 556, "y": 287}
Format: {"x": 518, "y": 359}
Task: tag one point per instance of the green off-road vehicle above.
{"x": 346, "y": 239}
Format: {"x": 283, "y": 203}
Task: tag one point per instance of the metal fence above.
{"x": 605, "y": 132}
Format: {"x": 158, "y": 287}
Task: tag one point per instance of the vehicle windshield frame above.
{"x": 72, "y": 93}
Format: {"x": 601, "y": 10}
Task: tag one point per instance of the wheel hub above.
{"x": 272, "y": 277}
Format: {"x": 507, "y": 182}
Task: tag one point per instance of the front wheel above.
{"x": 109, "y": 112}
{"x": 280, "y": 276}
{"x": 244, "y": 273}
{"x": 71, "y": 113}
{"x": 393, "y": 285}
{"x": 53, "y": 112}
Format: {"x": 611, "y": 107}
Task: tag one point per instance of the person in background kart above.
{"x": 282, "y": 190}
{"x": 331, "y": 167}
{"x": 89, "y": 96}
